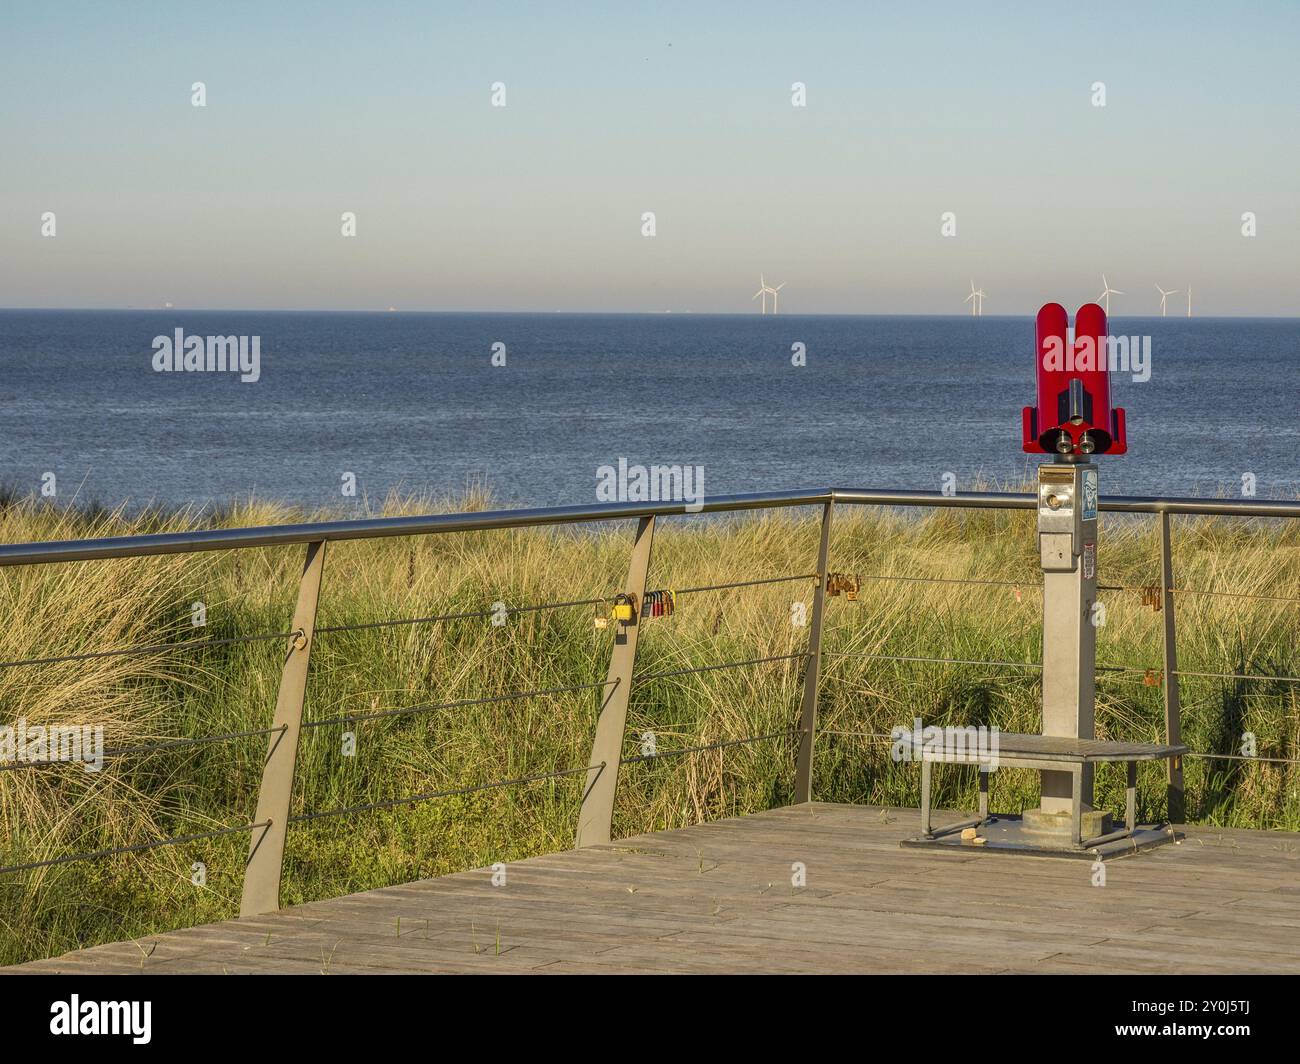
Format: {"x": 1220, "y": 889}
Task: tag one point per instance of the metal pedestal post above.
{"x": 1067, "y": 541}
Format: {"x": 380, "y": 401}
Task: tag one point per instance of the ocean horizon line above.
{"x": 1027, "y": 315}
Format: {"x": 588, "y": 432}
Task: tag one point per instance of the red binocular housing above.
{"x": 1073, "y": 415}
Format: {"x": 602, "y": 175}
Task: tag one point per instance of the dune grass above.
{"x": 230, "y": 687}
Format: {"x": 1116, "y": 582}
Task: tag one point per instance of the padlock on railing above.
{"x": 847, "y": 584}
{"x": 624, "y": 609}
{"x": 659, "y": 603}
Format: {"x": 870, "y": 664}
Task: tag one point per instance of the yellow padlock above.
{"x": 624, "y": 608}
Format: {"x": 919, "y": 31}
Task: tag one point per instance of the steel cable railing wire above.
{"x": 433, "y": 707}
{"x": 643, "y": 676}
{"x": 1028, "y": 585}
{"x": 471, "y": 615}
{"x": 197, "y": 644}
{"x": 392, "y": 803}
{"x": 1234, "y": 594}
{"x": 1257, "y": 676}
{"x": 1239, "y": 676}
{"x": 640, "y": 758}
{"x": 930, "y": 661}
{"x": 1137, "y": 669}
{"x": 137, "y": 848}
{"x": 152, "y": 748}
{"x": 871, "y": 735}
{"x": 1199, "y": 591}
{"x": 1035, "y": 585}
{"x": 1242, "y": 757}
{"x": 150, "y": 648}
{"x": 745, "y": 583}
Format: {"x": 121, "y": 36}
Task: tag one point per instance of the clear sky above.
{"x": 684, "y": 109}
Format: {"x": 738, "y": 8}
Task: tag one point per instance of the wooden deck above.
{"x": 718, "y": 898}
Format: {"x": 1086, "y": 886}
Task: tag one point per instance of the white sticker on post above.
{"x": 1089, "y": 495}
{"x": 1089, "y": 560}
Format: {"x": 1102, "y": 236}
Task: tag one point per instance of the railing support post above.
{"x": 596, "y": 818}
{"x": 1176, "y": 797}
{"x": 266, "y": 848}
{"x": 803, "y": 776}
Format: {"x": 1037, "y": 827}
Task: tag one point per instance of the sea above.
{"x": 347, "y": 407}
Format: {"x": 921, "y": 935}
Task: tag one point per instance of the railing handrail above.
{"x": 1124, "y": 504}
{"x": 429, "y": 524}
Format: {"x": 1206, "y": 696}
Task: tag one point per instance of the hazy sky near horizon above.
{"x": 683, "y": 109}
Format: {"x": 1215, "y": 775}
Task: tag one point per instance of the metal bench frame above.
{"x": 1045, "y": 752}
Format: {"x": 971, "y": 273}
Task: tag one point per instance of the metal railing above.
{"x": 269, "y": 826}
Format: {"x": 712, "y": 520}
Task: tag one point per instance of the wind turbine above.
{"x": 765, "y": 290}
{"x": 774, "y": 292}
{"x": 1165, "y": 295}
{"x": 1106, "y": 293}
{"x": 1189, "y": 301}
{"x": 976, "y": 300}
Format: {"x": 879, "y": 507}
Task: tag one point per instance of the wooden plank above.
{"x": 713, "y": 898}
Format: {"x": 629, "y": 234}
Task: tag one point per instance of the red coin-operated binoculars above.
{"x": 1072, "y": 422}
{"x": 1073, "y": 417}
